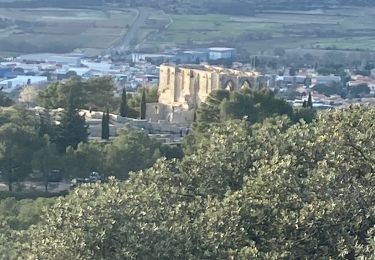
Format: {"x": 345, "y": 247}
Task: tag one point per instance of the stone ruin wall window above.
{"x": 245, "y": 84}
{"x": 168, "y": 76}
{"x": 182, "y": 80}
{"x": 206, "y": 83}
{"x": 229, "y": 85}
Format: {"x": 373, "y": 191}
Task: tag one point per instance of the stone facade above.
{"x": 182, "y": 88}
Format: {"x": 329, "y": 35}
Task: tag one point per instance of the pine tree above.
{"x": 72, "y": 129}
{"x": 143, "y": 105}
{"x": 309, "y": 101}
{"x": 45, "y": 125}
{"x": 105, "y": 125}
{"x": 124, "y": 109}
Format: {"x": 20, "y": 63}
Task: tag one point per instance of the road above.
{"x": 157, "y": 32}
{"x": 124, "y": 44}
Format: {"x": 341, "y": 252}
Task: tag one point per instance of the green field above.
{"x": 345, "y": 29}
{"x": 61, "y": 30}
{"x": 52, "y": 29}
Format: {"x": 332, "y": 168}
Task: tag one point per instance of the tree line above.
{"x": 37, "y": 144}
{"x": 269, "y": 190}
{"x": 257, "y": 179}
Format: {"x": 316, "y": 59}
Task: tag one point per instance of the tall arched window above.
{"x": 245, "y": 84}
{"x": 229, "y": 85}
{"x": 168, "y": 76}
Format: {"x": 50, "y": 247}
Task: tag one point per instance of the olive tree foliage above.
{"x": 16, "y": 216}
{"x": 263, "y": 191}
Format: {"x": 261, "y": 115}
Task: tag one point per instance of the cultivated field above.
{"x": 345, "y": 29}
{"x": 50, "y": 30}
{"x": 60, "y": 30}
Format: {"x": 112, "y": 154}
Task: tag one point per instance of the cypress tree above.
{"x": 45, "y": 125}
{"x": 124, "y": 104}
{"x": 309, "y": 101}
{"x": 143, "y": 105}
{"x": 105, "y": 125}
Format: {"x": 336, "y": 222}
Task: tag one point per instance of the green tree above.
{"x": 124, "y": 104}
{"x": 309, "y": 101}
{"x": 99, "y": 93}
{"x": 134, "y": 99}
{"x": 16, "y": 216}
{"x": 256, "y": 105}
{"x": 105, "y": 125}
{"x": 58, "y": 94}
{"x": 46, "y": 126}
{"x": 304, "y": 113}
{"x": 250, "y": 191}
{"x": 5, "y": 101}
{"x": 143, "y": 106}
{"x": 72, "y": 128}
{"x": 45, "y": 160}
{"x": 222, "y": 105}
{"x": 132, "y": 150}
{"x": 209, "y": 111}
{"x": 88, "y": 157}
{"x": 328, "y": 90}
{"x": 359, "y": 90}
{"x": 96, "y": 93}
{"x": 16, "y": 149}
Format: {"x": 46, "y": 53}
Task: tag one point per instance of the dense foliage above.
{"x": 252, "y": 105}
{"x": 17, "y": 215}
{"x": 96, "y": 93}
{"x": 132, "y": 150}
{"x": 72, "y": 128}
{"x": 261, "y": 191}
{"x": 32, "y": 148}
{"x": 255, "y": 105}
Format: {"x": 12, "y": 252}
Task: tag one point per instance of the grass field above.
{"x": 46, "y": 30}
{"x": 52, "y": 29}
{"x": 346, "y": 28}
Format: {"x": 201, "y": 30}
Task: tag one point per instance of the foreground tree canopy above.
{"x": 270, "y": 191}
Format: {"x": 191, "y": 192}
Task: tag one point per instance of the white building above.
{"x": 217, "y": 53}
{"x": 62, "y": 59}
{"x": 142, "y": 57}
{"x": 10, "y": 85}
{"x": 326, "y": 80}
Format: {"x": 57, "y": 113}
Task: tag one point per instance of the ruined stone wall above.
{"x": 184, "y": 88}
